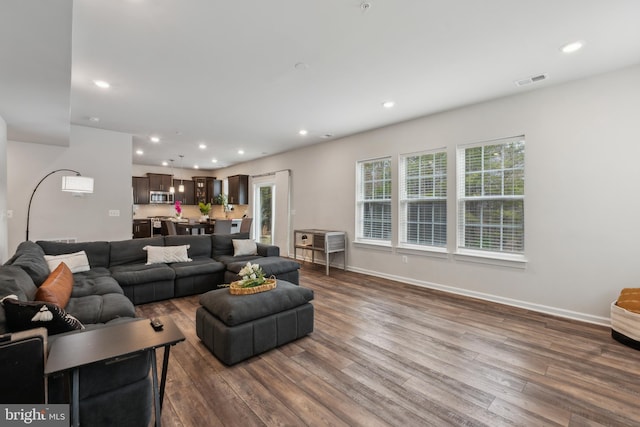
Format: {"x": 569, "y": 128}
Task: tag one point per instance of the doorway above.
{"x": 264, "y": 207}
{"x": 270, "y": 208}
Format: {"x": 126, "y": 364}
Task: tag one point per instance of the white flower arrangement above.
{"x": 252, "y": 275}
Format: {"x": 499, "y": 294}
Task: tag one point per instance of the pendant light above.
{"x": 172, "y": 189}
{"x": 181, "y": 186}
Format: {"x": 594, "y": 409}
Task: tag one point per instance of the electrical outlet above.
{"x": 405, "y": 259}
{"x": 114, "y": 212}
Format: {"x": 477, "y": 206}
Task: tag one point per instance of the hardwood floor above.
{"x": 389, "y": 354}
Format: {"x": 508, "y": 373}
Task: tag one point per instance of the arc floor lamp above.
{"x": 73, "y": 184}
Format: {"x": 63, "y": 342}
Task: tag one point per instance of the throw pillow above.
{"x": 167, "y": 254}
{"x": 77, "y": 261}
{"x": 244, "y": 247}
{"x": 57, "y": 288}
{"x": 23, "y": 315}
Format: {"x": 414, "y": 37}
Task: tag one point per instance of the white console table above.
{"x": 325, "y": 241}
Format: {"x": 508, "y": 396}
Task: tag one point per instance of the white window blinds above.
{"x": 491, "y": 196}
{"x": 373, "y": 199}
{"x": 423, "y": 199}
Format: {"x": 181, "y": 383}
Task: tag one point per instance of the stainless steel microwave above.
{"x": 160, "y": 197}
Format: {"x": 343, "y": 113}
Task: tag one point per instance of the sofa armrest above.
{"x": 268, "y": 250}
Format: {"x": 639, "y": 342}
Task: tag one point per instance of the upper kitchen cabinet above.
{"x": 207, "y": 188}
{"x": 238, "y": 190}
{"x": 159, "y": 182}
{"x": 188, "y": 196}
{"x": 140, "y": 186}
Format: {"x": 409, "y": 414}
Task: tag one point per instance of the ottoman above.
{"x": 237, "y": 327}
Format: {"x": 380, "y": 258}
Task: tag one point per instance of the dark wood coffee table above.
{"x": 70, "y": 352}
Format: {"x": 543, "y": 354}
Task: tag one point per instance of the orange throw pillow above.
{"x": 629, "y": 299}
{"x": 57, "y": 288}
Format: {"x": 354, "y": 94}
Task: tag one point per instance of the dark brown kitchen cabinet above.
{"x": 140, "y": 186}
{"x": 141, "y": 228}
{"x": 188, "y": 196}
{"x": 238, "y": 190}
{"x": 207, "y": 188}
{"x": 159, "y": 182}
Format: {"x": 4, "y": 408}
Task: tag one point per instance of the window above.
{"x": 373, "y": 213}
{"x": 423, "y": 199}
{"x": 491, "y": 196}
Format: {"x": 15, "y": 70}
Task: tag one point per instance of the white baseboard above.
{"x": 555, "y": 311}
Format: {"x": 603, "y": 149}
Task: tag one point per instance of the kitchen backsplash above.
{"x": 188, "y": 211}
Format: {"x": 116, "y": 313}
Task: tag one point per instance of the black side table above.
{"x": 70, "y": 352}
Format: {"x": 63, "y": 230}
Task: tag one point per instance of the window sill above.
{"x": 492, "y": 258}
{"x": 373, "y": 244}
{"x": 430, "y": 251}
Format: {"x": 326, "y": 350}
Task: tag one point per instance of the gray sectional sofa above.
{"x": 119, "y": 277}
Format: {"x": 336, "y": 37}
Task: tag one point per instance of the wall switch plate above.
{"x": 10, "y": 213}
{"x": 114, "y": 212}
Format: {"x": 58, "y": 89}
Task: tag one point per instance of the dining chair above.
{"x": 168, "y": 228}
{"x": 245, "y": 225}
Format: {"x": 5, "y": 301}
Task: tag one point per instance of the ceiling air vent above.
{"x": 532, "y": 79}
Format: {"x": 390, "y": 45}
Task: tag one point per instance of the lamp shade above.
{"x": 77, "y": 184}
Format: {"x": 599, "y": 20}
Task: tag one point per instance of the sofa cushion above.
{"x": 23, "y": 315}
{"x": 199, "y": 246}
{"x": 130, "y": 251}
{"x": 267, "y": 250}
{"x": 230, "y": 259}
{"x": 97, "y": 252}
{"x": 270, "y": 265}
{"x": 166, "y": 254}
{"x": 222, "y": 244}
{"x": 136, "y": 274}
{"x": 197, "y": 266}
{"x": 95, "y": 282}
{"x": 77, "y": 261}
{"x": 57, "y": 288}
{"x": 101, "y": 308}
{"x": 237, "y": 309}
{"x": 30, "y": 257}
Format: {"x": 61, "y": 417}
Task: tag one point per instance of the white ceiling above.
{"x": 224, "y": 73}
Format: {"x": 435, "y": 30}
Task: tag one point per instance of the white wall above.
{"x": 4, "y": 230}
{"x": 103, "y": 155}
{"x": 581, "y": 208}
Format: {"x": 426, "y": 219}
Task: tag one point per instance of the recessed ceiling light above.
{"x": 94, "y": 119}
{"x": 214, "y": 160}
{"x": 303, "y": 132}
{"x": 572, "y": 47}
{"x": 154, "y": 139}
{"x": 388, "y": 104}
{"x": 202, "y": 146}
{"x": 102, "y": 84}
{"x": 196, "y": 167}
{"x": 165, "y": 163}
{"x": 139, "y": 152}
{"x": 240, "y": 151}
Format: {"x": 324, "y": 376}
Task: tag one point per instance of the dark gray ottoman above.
{"x": 281, "y": 268}
{"x": 236, "y": 327}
